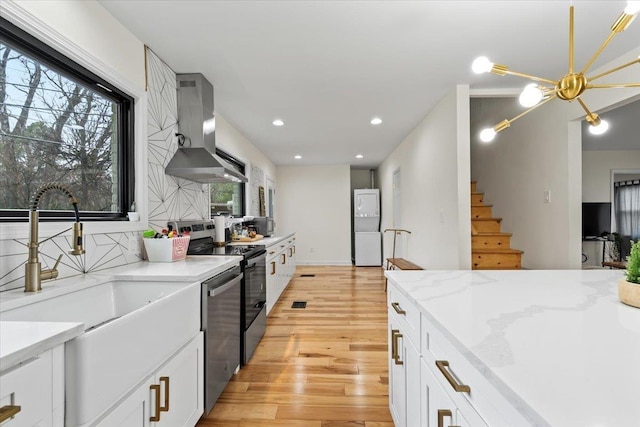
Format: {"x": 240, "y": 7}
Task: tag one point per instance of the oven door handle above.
{"x": 217, "y": 291}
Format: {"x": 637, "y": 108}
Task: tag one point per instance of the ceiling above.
{"x": 326, "y": 68}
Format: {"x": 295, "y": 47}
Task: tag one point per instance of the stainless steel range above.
{"x": 253, "y": 292}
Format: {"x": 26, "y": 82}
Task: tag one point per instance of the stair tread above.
{"x": 486, "y": 219}
{"x": 496, "y": 251}
{"x": 477, "y": 192}
{"x": 481, "y": 206}
{"x": 495, "y": 268}
{"x": 492, "y": 233}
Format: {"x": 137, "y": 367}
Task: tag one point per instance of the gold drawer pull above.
{"x": 284, "y": 259}
{"x": 165, "y": 407}
{"x": 8, "y": 411}
{"x": 393, "y": 343}
{"x": 460, "y": 388}
{"x": 156, "y": 388}
{"x": 444, "y": 413}
{"x": 396, "y": 307}
{"x": 395, "y": 334}
{"x": 273, "y": 268}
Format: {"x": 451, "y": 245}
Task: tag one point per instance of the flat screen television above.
{"x": 596, "y": 219}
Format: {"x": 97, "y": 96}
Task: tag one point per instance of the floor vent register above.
{"x": 307, "y": 275}
{"x": 299, "y": 304}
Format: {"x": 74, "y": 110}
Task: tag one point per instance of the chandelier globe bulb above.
{"x": 531, "y": 95}
{"x": 600, "y": 128}
{"x": 633, "y": 7}
{"x": 481, "y": 65}
{"x": 487, "y": 135}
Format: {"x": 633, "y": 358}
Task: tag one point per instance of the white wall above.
{"x": 314, "y": 202}
{"x": 230, "y": 140}
{"x": 596, "y": 172}
{"x": 434, "y": 166}
{"x": 90, "y": 28}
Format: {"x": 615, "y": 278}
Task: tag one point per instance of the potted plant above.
{"x": 629, "y": 289}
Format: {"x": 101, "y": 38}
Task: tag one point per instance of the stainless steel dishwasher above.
{"x": 221, "y": 325}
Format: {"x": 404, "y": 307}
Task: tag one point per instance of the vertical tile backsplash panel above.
{"x": 169, "y": 198}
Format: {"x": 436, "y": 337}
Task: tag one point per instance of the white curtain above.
{"x": 627, "y": 208}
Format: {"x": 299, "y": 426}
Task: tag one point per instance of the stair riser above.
{"x": 477, "y": 199}
{"x": 496, "y": 261}
{"x": 481, "y": 212}
{"x": 490, "y": 242}
{"x": 486, "y": 226}
{"x": 473, "y": 187}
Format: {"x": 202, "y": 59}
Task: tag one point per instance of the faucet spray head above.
{"x": 78, "y": 249}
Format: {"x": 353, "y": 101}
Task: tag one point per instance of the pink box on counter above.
{"x": 167, "y": 250}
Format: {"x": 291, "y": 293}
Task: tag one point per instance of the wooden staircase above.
{"x": 490, "y": 248}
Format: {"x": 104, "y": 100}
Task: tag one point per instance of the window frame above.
{"x": 125, "y": 130}
{"x": 241, "y": 167}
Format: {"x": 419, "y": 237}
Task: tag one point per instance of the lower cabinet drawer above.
{"x": 438, "y": 409}
{"x": 28, "y": 387}
{"x": 407, "y": 313}
{"x": 478, "y": 400}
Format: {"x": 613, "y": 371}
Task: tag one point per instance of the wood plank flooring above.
{"x": 321, "y": 366}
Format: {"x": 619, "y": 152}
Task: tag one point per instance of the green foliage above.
{"x": 633, "y": 264}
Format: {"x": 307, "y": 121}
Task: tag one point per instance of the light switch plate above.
{"x": 547, "y": 196}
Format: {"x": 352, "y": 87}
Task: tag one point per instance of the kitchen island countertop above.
{"x": 557, "y": 344}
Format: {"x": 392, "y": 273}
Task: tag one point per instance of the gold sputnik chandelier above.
{"x": 571, "y": 86}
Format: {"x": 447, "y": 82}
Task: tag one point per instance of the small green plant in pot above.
{"x": 629, "y": 289}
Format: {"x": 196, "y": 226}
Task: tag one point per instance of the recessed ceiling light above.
{"x": 278, "y": 122}
{"x": 359, "y": 156}
{"x": 376, "y": 121}
{"x": 297, "y": 156}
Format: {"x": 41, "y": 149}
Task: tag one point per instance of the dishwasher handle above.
{"x": 221, "y": 289}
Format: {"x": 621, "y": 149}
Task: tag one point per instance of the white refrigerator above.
{"x": 366, "y": 225}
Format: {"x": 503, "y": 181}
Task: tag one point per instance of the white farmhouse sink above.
{"x": 131, "y": 327}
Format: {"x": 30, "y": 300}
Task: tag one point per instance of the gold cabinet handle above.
{"x": 395, "y": 354}
{"x": 273, "y": 268}
{"x": 165, "y": 407}
{"x": 272, "y": 252}
{"x": 284, "y": 259}
{"x": 460, "y": 388}
{"x": 156, "y": 388}
{"x": 393, "y": 343}
{"x": 444, "y": 413}
{"x": 8, "y": 411}
{"x": 396, "y": 307}
{"x": 294, "y": 248}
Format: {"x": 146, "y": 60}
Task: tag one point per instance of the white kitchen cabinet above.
{"x": 32, "y": 394}
{"x": 173, "y": 396}
{"x": 404, "y": 365}
{"x": 281, "y": 265}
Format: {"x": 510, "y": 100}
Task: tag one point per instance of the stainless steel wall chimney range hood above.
{"x": 196, "y": 159}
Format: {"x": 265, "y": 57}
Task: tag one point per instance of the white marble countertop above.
{"x": 20, "y": 341}
{"x": 267, "y": 241}
{"x": 559, "y": 341}
{"x": 193, "y": 268}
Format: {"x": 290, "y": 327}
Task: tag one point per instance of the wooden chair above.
{"x": 394, "y": 263}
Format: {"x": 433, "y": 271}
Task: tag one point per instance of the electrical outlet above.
{"x": 132, "y": 248}
{"x": 441, "y": 217}
{"x": 547, "y": 196}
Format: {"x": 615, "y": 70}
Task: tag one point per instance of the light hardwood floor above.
{"x": 322, "y": 366}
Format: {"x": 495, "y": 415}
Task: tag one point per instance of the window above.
{"x": 61, "y": 123}
{"x": 228, "y": 197}
{"x": 627, "y": 208}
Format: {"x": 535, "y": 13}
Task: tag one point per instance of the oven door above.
{"x": 255, "y": 288}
